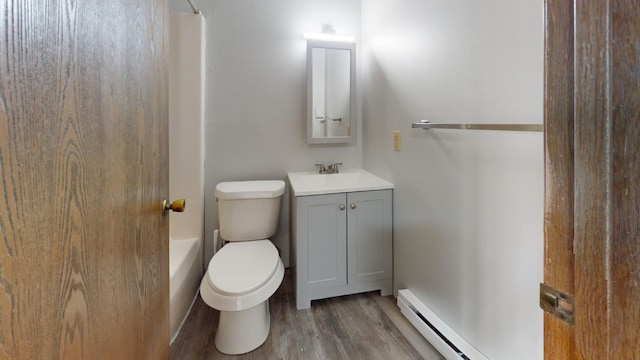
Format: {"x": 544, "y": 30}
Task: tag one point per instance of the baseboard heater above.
{"x": 451, "y": 345}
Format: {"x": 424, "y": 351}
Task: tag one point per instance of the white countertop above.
{"x": 312, "y": 183}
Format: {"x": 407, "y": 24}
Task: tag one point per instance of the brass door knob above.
{"x": 176, "y": 205}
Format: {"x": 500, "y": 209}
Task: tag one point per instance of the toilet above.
{"x": 245, "y": 272}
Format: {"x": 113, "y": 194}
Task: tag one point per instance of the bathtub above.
{"x": 185, "y": 273}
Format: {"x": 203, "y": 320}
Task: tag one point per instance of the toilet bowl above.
{"x": 239, "y": 282}
{"x": 243, "y": 275}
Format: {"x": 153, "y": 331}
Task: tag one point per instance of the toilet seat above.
{"x": 257, "y": 287}
{"x": 242, "y": 267}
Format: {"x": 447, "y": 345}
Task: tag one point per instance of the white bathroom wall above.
{"x": 468, "y": 205}
{"x": 256, "y": 94}
{"x": 186, "y": 123}
{"x": 186, "y": 161}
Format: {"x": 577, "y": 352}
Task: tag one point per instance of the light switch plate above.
{"x": 396, "y": 140}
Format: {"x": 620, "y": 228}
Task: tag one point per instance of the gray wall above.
{"x": 256, "y": 94}
{"x": 468, "y": 206}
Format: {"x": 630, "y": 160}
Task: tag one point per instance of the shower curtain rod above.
{"x": 195, "y": 9}
{"x": 425, "y": 124}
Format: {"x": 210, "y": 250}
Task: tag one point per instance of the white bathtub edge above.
{"x": 186, "y": 271}
{"x": 175, "y": 334}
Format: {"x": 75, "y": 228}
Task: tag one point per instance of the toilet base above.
{"x": 242, "y": 331}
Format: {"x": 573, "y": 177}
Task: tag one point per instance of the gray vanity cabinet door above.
{"x": 370, "y": 236}
{"x": 322, "y": 241}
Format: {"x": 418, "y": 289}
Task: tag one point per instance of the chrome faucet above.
{"x": 328, "y": 169}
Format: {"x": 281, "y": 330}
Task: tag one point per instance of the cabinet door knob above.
{"x": 342, "y": 207}
{"x": 353, "y": 206}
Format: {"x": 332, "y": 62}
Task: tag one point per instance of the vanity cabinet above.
{"x": 342, "y": 244}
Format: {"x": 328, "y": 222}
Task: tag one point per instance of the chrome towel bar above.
{"x": 425, "y": 124}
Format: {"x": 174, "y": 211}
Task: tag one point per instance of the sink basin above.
{"x": 312, "y": 183}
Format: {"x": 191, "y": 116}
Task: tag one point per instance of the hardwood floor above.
{"x": 363, "y": 326}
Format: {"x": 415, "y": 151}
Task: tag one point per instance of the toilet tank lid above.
{"x": 261, "y": 189}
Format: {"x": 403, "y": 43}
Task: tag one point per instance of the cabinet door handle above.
{"x": 342, "y": 207}
{"x": 353, "y": 206}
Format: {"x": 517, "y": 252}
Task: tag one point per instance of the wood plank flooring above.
{"x": 363, "y": 326}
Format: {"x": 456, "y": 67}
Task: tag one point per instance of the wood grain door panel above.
{"x": 83, "y": 154}
{"x": 559, "y": 147}
{"x": 592, "y": 131}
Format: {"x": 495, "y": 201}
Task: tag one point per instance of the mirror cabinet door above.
{"x": 330, "y": 92}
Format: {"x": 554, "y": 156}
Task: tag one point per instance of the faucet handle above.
{"x": 333, "y": 168}
{"x": 323, "y": 169}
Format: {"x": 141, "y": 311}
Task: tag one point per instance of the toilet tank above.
{"x": 249, "y": 210}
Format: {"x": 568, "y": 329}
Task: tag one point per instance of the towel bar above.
{"x": 425, "y": 124}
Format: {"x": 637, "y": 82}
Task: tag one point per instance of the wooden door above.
{"x": 83, "y": 156}
{"x": 592, "y": 206}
